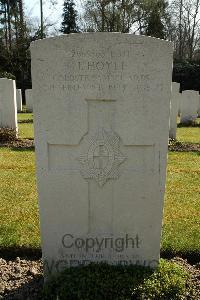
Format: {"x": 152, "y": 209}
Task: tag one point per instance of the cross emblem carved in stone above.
{"x": 99, "y": 158}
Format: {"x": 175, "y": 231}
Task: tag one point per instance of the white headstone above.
{"x": 101, "y": 104}
{"x": 198, "y": 112}
{"x": 8, "y": 105}
{"x": 174, "y": 109}
{"x": 179, "y": 104}
{"x": 29, "y": 100}
{"x": 19, "y": 100}
{"x": 189, "y": 106}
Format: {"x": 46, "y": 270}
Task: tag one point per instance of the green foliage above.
{"x": 7, "y": 75}
{"x": 102, "y": 281}
{"x": 187, "y": 73}
{"x": 168, "y": 282}
{"x": 4, "y": 56}
{"x": 69, "y": 23}
{"x": 155, "y": 20}
{"x": 14, "y": 42}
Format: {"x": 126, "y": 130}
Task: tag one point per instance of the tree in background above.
{"x": 157, "y": 19}
{"x": 144, "y": 16}
{"x": 185, "y": 16}
{"x": 69, "y": 23}
{"x": 111, "y": 15}
{"x": 14, "y": 41}
{"x": 179, "y": 22}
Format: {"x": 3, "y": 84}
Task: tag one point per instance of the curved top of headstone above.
{"x": 125, "y": 37}
{"x": 190, "y": 92}
{"x": 6, "y": 79}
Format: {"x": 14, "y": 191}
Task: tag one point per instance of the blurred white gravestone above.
{"x": 8, "y": 105}
{"x": 174, "y": 109}
{"x": 198, "y": 112}
{"x": 101, "y": 106}
{"x": 189, "y": 106}
{"x": 179, "y": 104}
{"x": 19, "y": 100}
{"x": 29, "y": 100}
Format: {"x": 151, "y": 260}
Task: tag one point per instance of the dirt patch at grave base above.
{"x": 23, "y": 279}
{"x": 193, "y": 291}
{"x": 18, "y": 144}
{"x": 183, "y": 147}
{"x": 8, "y": 138}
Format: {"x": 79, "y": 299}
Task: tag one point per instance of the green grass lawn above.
{"x": 19, "y": 222}
{"x": 19, "y": 225}
{"x": 181, "y": 224}
{"x": 25, "y": 129}
{"x": 189, "y": 134}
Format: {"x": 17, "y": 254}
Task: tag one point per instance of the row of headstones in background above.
{"x": 185, "y": 104}
{"x": 11, "y": 103}
{"x": 189, "y": 106}
{"x": 29, "y": 100}
{"x": 101, "y": 135}
{"x": 19, "y": 100}
{"x": 8, "y": 104}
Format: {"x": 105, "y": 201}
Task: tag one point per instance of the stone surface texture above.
{"x": 101, "y": 115}
{"x": 189, "y": 106}
{"x": 198, "y": 112}
{"x": 19, "y": 100}
{"x": 175, "y": 97}
{"x": 29, "y": 100}
{"x": 8, "y": 104}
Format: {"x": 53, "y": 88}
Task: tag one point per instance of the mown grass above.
{"x": 26, "y": 130}
{"x": 181, "y": 224}
{"x": 189, "y": 134}
{"x": 19, "y": 225}
{"x": 19, "y": 222}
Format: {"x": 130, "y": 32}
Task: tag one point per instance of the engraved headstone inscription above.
{"x": 8, "y": 105}
{"x": 101, "y": 115}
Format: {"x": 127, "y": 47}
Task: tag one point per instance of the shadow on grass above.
{"x": 180, "y": 125}
{"x": 27, "y": 121}
{"x": 114, "y": 282}
{"x": 22, "y": 149}
{"x": 11, "y": 253}
{"x": 193, "y": 257}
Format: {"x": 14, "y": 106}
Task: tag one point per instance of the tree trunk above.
{"x": 9, "y": 25}
{"x": 180, "y": 30}
{"x": 41, "y": 17}
{"x": 21, "y": 19}
{"x": 6, "y": 27}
